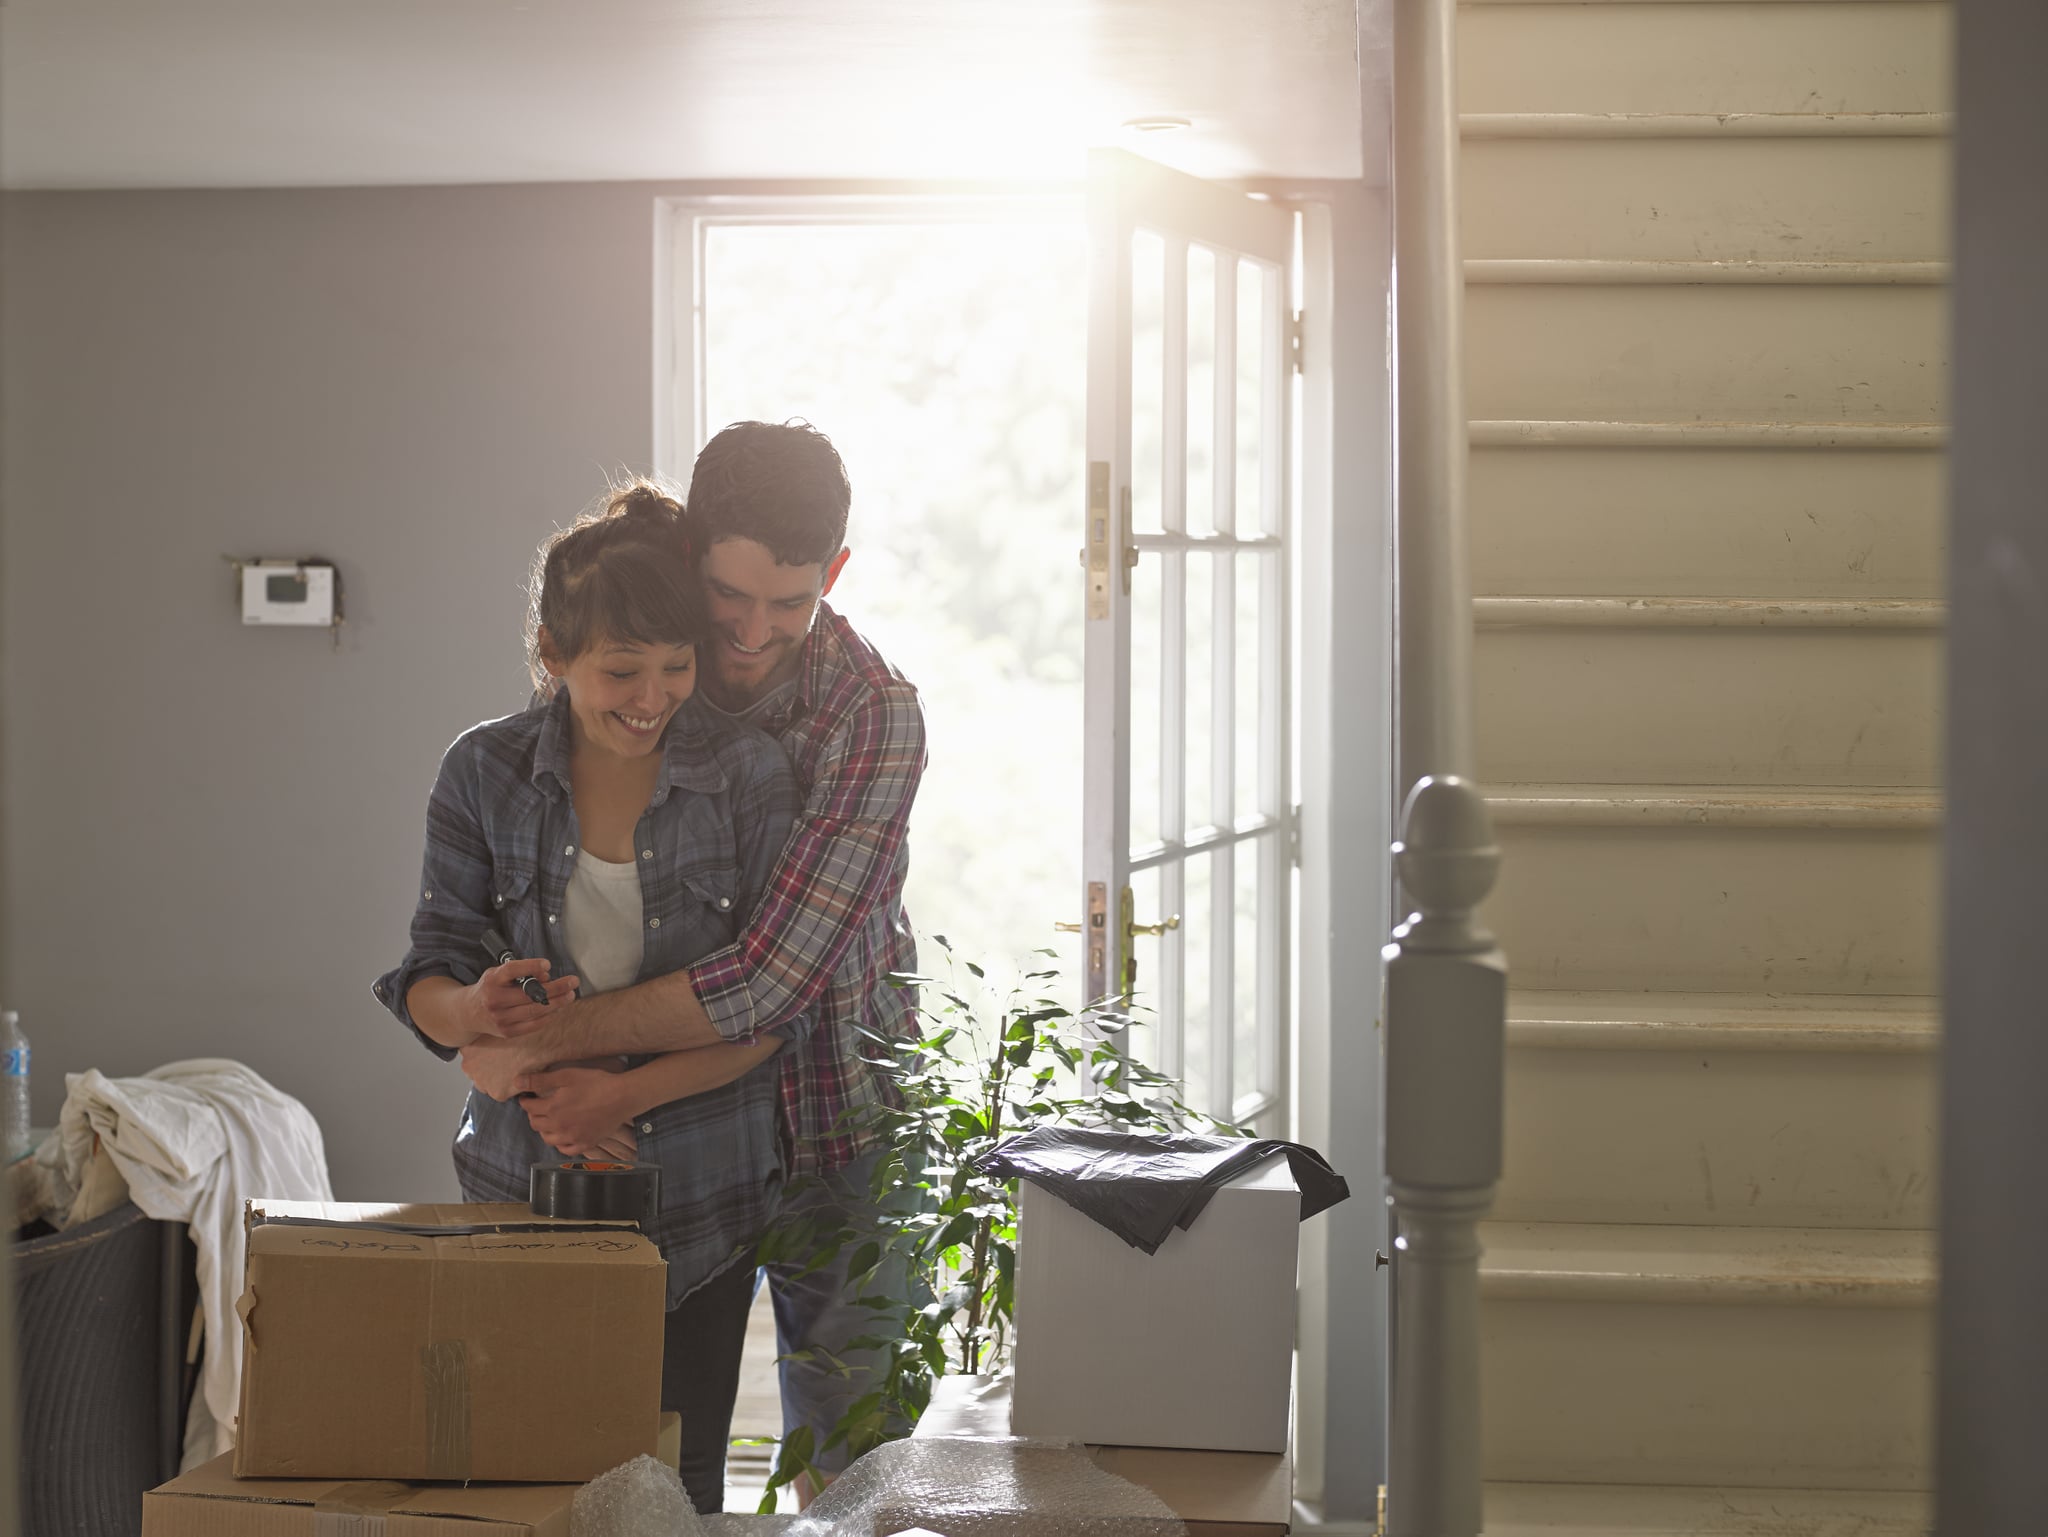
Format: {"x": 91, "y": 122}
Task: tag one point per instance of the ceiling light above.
{"x": 1157, "y": 124}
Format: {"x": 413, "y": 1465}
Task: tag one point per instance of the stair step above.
{"x": 1594, "y": 272}
{"x": 1722, "y": 691}
{"x": 1698, "y": 521}
{"x": 1706, "y": 125}
{"x": 1681, "y": 1264}
{"x": 1694, "y": 1022}
{"x": 1539, "y": 432}
{"x": 1835, "y": 808}
{"x": 1777, "y": 1358}
{"x": 1715, "y": 889}
{"x": 1467, "y": 4}
{"x": 1706, "y": 353}
{"x": 1619, "y": 1510}
{"x": 1575, "y": 612}
{"x": 1717, "y": 199}
{"x": 1672, "y": 59}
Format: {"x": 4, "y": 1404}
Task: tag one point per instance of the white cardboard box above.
{"x": 1189, "y": 1347}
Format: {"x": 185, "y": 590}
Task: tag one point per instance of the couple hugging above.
{"x": 693, "y": 839}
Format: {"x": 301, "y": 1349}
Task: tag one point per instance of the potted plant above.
{"x": 993, "y": 1062}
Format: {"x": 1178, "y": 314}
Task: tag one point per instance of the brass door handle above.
{"x": 1123, "y": 965}
{"x": 1136, "y": 928}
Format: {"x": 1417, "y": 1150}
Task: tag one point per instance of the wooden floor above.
{"x": 757, "y": 1414}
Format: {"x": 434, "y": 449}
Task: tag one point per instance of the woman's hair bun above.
{"x": 641, "y": 500}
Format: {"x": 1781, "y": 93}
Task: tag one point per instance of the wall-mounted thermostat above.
{"x": 287, "y": 592}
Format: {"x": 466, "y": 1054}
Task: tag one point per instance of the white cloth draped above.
{"x": 195, "y": 1140}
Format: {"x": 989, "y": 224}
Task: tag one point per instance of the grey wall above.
{"x": 1994, "y": 1339}
{"x": 211, "y": 833}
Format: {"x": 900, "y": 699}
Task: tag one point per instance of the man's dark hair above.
{"x": 781, "y": 486}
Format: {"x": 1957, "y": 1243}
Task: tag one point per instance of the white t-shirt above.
{"x": 601, "y": 916}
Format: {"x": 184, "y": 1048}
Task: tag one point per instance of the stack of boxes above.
{"x": 411, "y": 1365}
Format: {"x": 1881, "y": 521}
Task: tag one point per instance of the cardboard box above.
{"x": 210, "y": 1501}
{"x": 1218, "y": 1494}
{"x": 214, "y": 1503}
{"x": 1189, "y": 1347}
{"x": 446, "y": 1343}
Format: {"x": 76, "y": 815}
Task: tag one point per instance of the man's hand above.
{"x": 579, "y": 1111}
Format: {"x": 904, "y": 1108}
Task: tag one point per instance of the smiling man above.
{"x": 767, "y": 512}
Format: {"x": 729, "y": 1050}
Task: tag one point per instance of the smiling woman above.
{"x": 612, "y": 834}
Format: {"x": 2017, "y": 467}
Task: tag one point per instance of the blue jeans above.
{"x": 816, "y": 1312}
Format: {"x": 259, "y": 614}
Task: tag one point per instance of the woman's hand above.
{"x": 495, "y": 1065}
{"x": 497, "y": 1002}
{"x": 580, "y": 1111}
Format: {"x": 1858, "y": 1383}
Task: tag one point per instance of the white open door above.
{"x": 1186, "y": 818}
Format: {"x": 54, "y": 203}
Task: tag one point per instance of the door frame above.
{"x": 1342, "y": 721}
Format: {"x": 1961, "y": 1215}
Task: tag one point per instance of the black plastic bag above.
{"x": 1143, "y": 1185}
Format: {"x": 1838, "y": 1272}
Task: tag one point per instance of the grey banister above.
{"x": 1446, "y": 1010}
{"x": 1446, "y": 983}
{"x": 1433, "y": 612}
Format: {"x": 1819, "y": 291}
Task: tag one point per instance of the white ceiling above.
{"x": 246, "y": 93}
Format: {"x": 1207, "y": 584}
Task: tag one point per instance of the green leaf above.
{"x": 966, "y": 1123}
{"x": 957, "y": 1231}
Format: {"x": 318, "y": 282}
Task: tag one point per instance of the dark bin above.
{"x": 101, "y": 1312}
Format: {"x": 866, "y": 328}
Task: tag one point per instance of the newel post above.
{"x": 1446, "y": 1004}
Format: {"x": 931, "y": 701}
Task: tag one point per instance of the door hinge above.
{"x": 1294, "y": 838}
{"x": 1294, "y": 341}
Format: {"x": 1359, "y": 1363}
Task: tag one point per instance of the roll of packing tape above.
{"x": 589, "y": 1189}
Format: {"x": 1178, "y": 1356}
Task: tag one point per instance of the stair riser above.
{"x": 1597, "y": 522}
{"x": 1771, "y": 1138}
{"x": 1729, "y": 352}
{"x": 1718, "y": 909}
{"x": 1704, "y": 58}
{"x": 1812, "y": 1396}
{"x": 1707, "y": 200}
{"x": 1619, "y": 705}
{"x": 1801, "y": 1396}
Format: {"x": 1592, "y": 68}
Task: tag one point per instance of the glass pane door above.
{"x": 1186, "y": 865}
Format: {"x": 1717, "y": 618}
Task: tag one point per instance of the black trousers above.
{"x": 700, "y": 1378}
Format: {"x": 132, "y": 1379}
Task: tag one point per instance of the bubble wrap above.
{"x": 641, "y": 1498}
{"x": 992, "y": 1488}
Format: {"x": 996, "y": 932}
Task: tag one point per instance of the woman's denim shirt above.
{"x": 501, "y": 842}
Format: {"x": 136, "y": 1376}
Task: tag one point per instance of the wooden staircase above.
{"x": 1706, "y": 375}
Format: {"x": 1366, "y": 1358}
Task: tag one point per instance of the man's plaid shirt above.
{"x": 831, "y": 926}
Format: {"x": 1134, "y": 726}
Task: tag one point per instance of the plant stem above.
{"x": 984, "y": 1229}
{"x": 969, "y": 1348}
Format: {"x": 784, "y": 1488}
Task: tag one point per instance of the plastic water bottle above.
{"x": 14, "y": 1133}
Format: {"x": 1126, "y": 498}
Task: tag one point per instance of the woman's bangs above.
{"x": 637, "y": 604}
